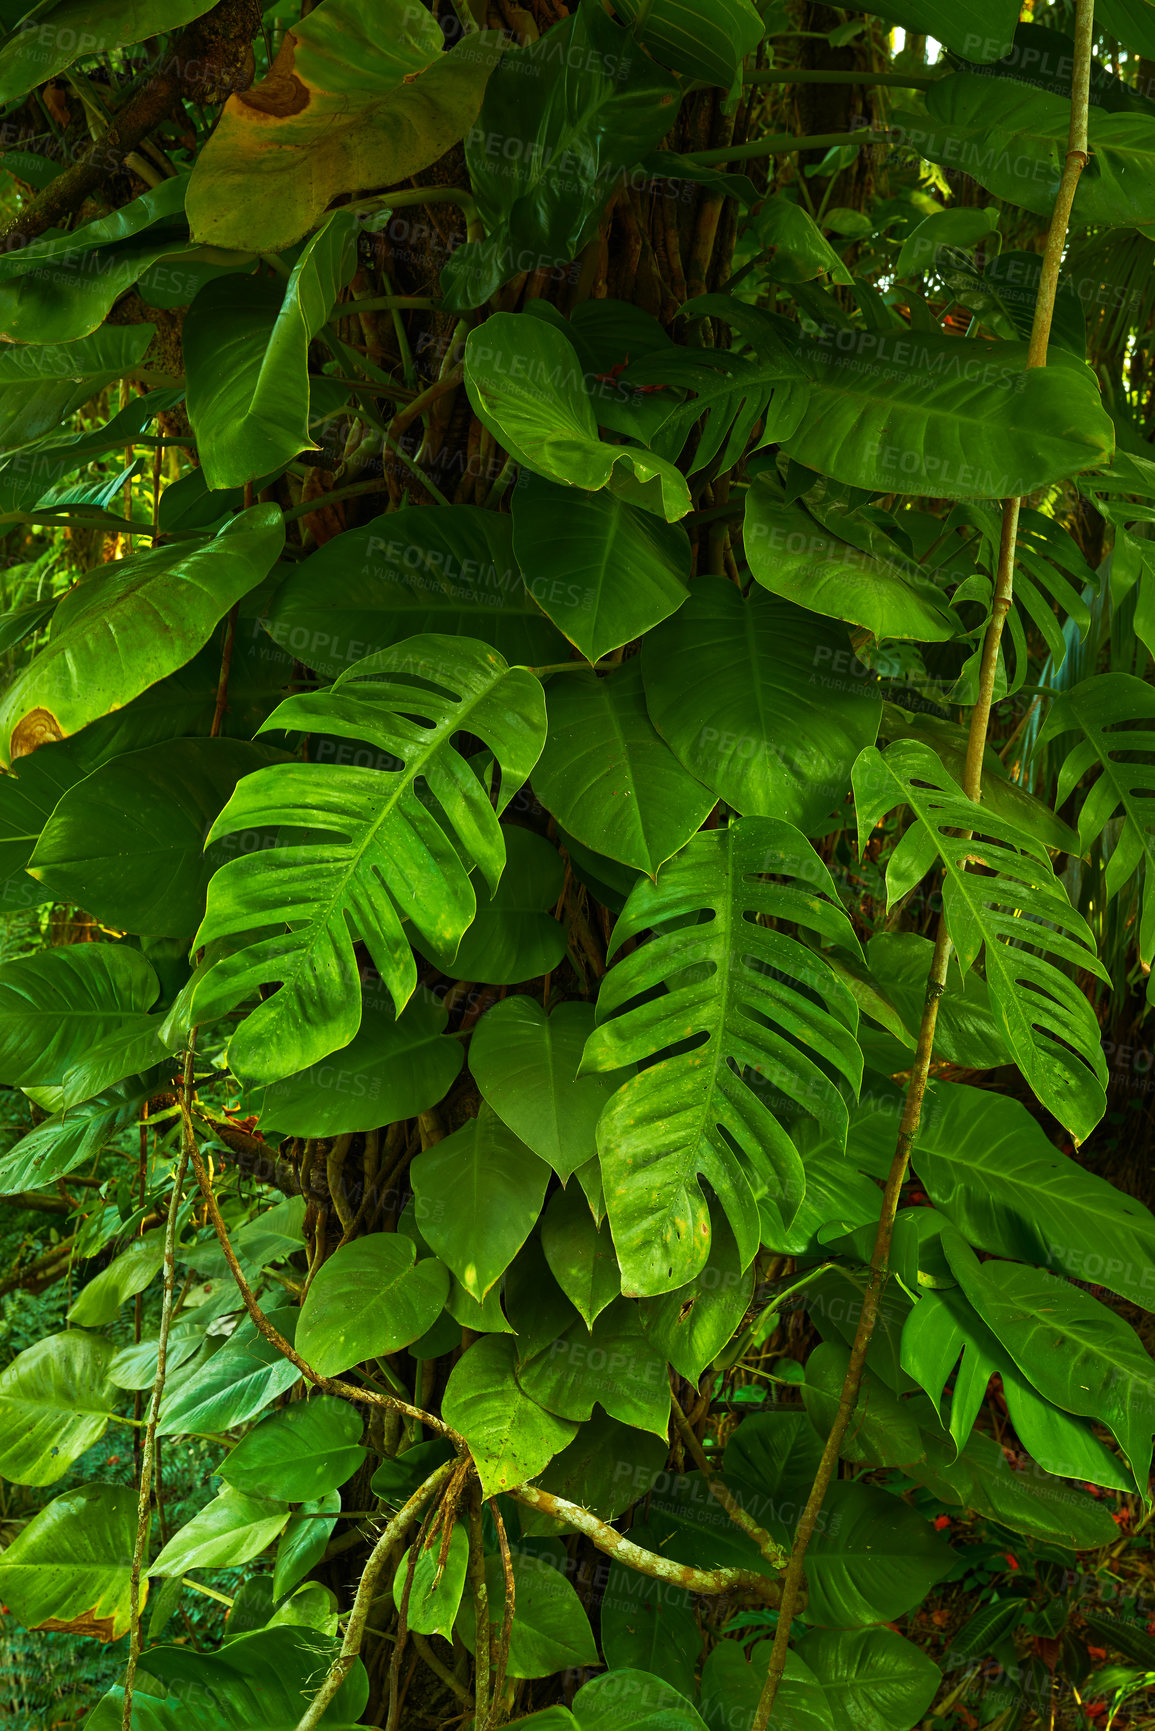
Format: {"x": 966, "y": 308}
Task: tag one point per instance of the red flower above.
{"x": 941, "y": 1522}
{"x": 1012, "y": 1560}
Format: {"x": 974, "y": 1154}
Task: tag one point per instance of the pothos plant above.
{"x": 560, "y": 638}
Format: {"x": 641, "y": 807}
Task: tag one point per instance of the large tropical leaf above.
{"x": 526, "y": 384}
{"x": 762, "y": 702}
{"x": 58, "y": 290}
{"x": 526, "y": 1065}
{"x": 127, "y": 843}
{"x": 609, "y": 777}
{"x": 69, "y": 1568}
{"x": 130, "y": 623}
{"x": 360, "y": 95}
{"x": 246, "y": 350}
{"x": 55, "y": 1006}
{"x": 705, "y": 41}
{"x": 42, "y": 385}
{"x": 379, "y": 853}
{"x": 1014, "y": 911}
{"x": 906, "y": 412}
{"x": 867, "y": 582}
{"x": 1075, "y": 1351}
{"x": 991, "y": 1169}
{"x": 1111, "y": 714}
{"x": 603, "y": 570}
{"x": 1012, "y": 139}
{"x": 55, "y": 1400}
{"x": 772, "y": 1028}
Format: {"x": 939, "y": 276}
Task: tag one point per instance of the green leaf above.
{"x": 560, "y": 120}
{"x": 478, "y": 1194}
{"x": 41, "y": 386}
{"x": 130, "y": 623}
{"x": 56, "y": 1005}
{"x": 1012, "y": 139}
{"x": 873, "y": 1558}
{"x": 573, "y": 549}
{"x": 299, "y": 1453}
{"x": 691, "y": 1325}
{"x": 761, "y": 1009}
{"x": 612, "y": 1364}
{"x": 369, "y": 1298}
{"x": 630, "y": 1700}
{"x": 68, "y": 28}
{"x": 882, "y": 1429}
{"x": 359, "y": 96}
{"x": 733, "y": 397}
{"x": 1031, "y": 1503}
{"x": 873, "y": 1679}
{"x": 731, "y": 1687}
{"x": 992, "y": 1170}
{"x": 1111, "y": 713}
{"x": 551, "y": 1631}
{"x": 55, "y": 1399}
{"x": 127, "y": 842}
{"x": 302, "y": 1544}
{"x": 609, "y": 777}
{"x": 130, "y": 1273}
{"x": 510, "y": 1437}
{"x": 798, "y": 250}
{"x": 762, "y": 702}
{"x": 525, "y": 383}
{"x": 867, "y": 581}
{"x": 901, "y": 412}
{"x": 395, "y": 1067}
{"x": 69, "y": 1568}
{"x": 580, "y": 1255}
{"x": 947, "y": 229}
{"x": 232, "y": 1529}
{"x": 512, "y": 937}
{"x": 706, "y": 42}
{"x": 58, "y": 290}
{"x": 451, "y": 570}
{"x": 1047, "y": 1022}
{"x": 246, "y": 349}
{"x": 134, "y": 1366}
{"x": 650, "y": 1626}
{"x": 235, "y": 1384}
{"x": 1076, "y": 1352}
{"x": 267, "y": 1678}
{"x": 381, "y": 854}
{"x": 966, "y": 1032}
{"x": 66, "y": 1139}
{"x": 526, "y": 1065}
{"x": 435, "y": 1592}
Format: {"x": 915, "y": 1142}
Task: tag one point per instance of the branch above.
{"x": 770, "y": 1548}
{"x": 367, "y": 1592}
{"x": 708, "y": 1582}
{"x": 1076, "y": 159}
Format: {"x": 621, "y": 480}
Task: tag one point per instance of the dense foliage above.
{"x": 577, "y": 843}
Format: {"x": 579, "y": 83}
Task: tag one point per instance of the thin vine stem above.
{"x": 794, "y": 1579}
{"x": 148, "y": 1452}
